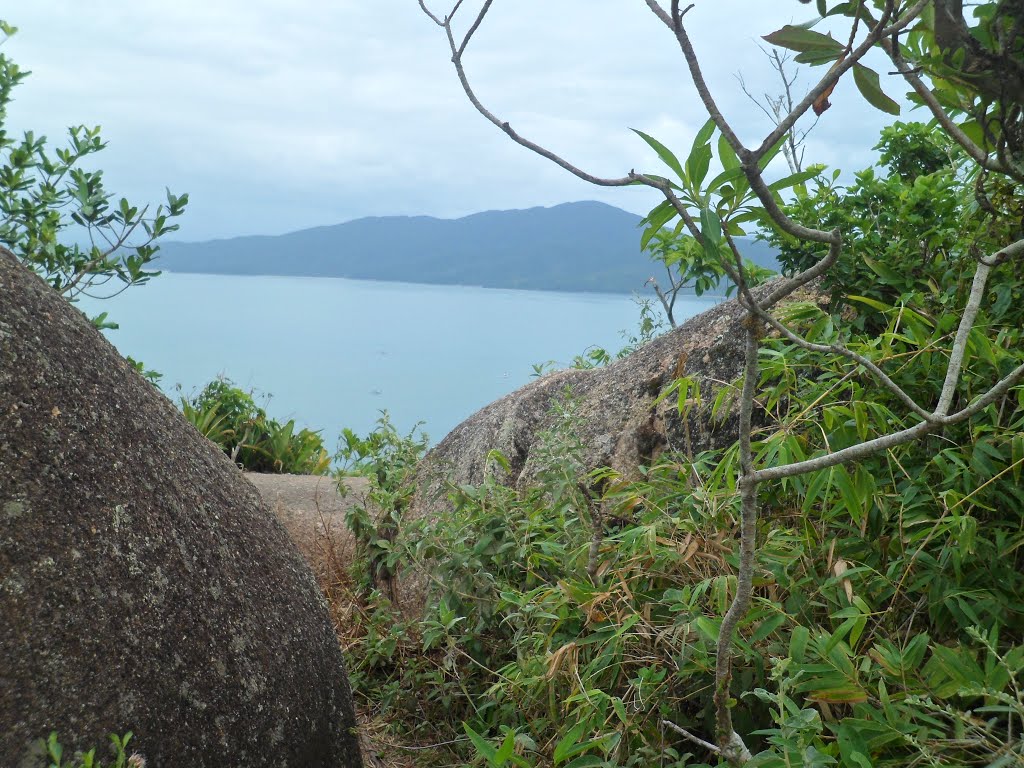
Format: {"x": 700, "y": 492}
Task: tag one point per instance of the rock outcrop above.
{"x": 621, "y": 424}
{"x": 144, "y": 585}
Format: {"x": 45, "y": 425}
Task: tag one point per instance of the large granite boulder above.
{"x": 144, "y": 585}
{"x": 622, "y": 422}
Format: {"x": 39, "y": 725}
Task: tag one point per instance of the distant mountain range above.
{"x": 585, "y": 246}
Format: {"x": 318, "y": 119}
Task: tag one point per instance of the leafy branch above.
{"x": 714, "y": 211}
{"x": 60, "y": 220}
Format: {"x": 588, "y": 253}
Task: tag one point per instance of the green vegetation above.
{"x": 230, "y": 417}
{"x": 690, "y": 268}
{"x": 388, "y": 460}
{"x": 887, "y": 616}
{"x": 121, "y": 758}
{"x": 50, "y": 204}
{"x": 870, "y": 611}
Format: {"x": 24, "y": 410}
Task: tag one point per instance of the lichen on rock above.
{"x": 144, "y": 585}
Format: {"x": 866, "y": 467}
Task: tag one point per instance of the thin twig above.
{"x": 690, "y": 737}
{"x": 475, "y": 26}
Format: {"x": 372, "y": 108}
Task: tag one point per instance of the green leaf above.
{"x": 663, "y": 152}
{"x": 711, "y": 229}
{"x": 852, "y": 9}
{"x": 697, "y": 165}
{"x": 793, "y": 179}
{"x": 816, "y": 490}
{"x": 727, "y": 154}
{"x": 851, "y": 500}
{"x": 620, "y": 709}
{"x": 800, "y": 39}
{"x": 838, "y": 693}
{"x": 888, "y": 275}
{"x": 659, "y": 216}
{"x": 569, "y": 744}
{"x": 703, "y": 135}
{"x": 771, "y": 153}
{"x": 709, "y": 627}
{"x": 767, "y": 626}
{"x": 724, "y": 177}
{"x": 867, "y": 83}
{"x": 482, "y": 745}
{"x": 974, "y": 132}
{"x": 506, "y": 749}
{"x": 853, "y": 747}
{"x": 798, "y": 643}
{"x": 101, "y": 323}
{"x": 817, "y": 57}
{"x": 873, "y": 303}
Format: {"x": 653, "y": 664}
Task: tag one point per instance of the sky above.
{"x": 277, "y": 115}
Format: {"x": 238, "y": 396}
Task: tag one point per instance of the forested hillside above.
{"x": 585, "y": 246}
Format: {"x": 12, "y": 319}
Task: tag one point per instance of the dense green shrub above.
{"x": 388, "y": 460}
{"x": 574, "y": 622}
{"x": 230, "y": 417}
{"x": 913, "y": 224}
{"x": 892, "y": 642}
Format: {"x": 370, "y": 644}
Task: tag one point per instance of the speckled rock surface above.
{"x": 144, "y": 585}
{"x": 622, "y": 425}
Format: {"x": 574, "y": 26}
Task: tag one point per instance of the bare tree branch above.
{"x": 691, "y": 738}
{"x": 457, "y": 51}
{"x": 731, "y": 744}
{"x": 660, "y": 12}
{"x": 475, "y": 26}
{"x": 771, "y": 206}
{"x": 705, "y": 93}
{"x": 959, "y": 347}
{"x": 427, "y": 11}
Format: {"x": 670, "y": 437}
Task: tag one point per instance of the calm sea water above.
{"x": 333, "y": 353}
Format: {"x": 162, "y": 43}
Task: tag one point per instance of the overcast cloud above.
{"x": 277, "y": 115}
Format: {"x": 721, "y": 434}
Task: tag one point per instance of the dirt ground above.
{"x": 313, "y": 512}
